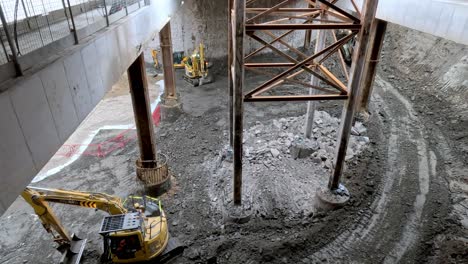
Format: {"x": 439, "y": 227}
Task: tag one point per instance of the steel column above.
{"x": 308, "y": 35}
{"x": 354, "y": 86}
{"x": 141, "y": 109}
{"x": 75, "y": 34}
{"x": 105, "y": 10}
{"x": 311, "y": 105}
{"x": 378, "y": 30}
{"x": 230, "y": 78}
{"x": 168, "y": 62}
{"x": 238, "y": 83}
{"x": 14, "y": 56}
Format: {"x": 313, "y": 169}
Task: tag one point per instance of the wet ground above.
{"x": 409, "y": 186}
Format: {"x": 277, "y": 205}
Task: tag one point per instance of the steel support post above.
{"x": 311, "y": 105}
{"x": 141, "y": 109}
{"x": 308, "y": 35}
{"x": 230, "y": 77}
{"x": 13, "y": 55}
{"x": 377, "y": 33}
{"x": 168, "y": 62}
{"x": 238, "y": 83}
{"x": 354, "y": 86}
{"x": 75, "y": 34}
{"x": 106, "y": 13}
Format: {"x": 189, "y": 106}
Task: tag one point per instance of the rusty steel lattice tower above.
{"x": 249, "y": 18}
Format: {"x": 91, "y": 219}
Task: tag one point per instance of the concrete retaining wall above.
{"x": 206, "y": 21}
{"x": 39, "y": 111}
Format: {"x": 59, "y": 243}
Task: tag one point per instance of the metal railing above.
{"x": 28, "y": 25}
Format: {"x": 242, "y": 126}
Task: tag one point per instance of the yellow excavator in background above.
{"x": 135, "y": 230}
{"x": 196, "y": 67}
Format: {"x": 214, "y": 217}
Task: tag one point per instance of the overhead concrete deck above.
{"x": 442, "y": 18}
{"x": 39, "y": 111}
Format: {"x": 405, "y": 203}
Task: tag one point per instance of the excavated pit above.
{"x": 407, "y": 174}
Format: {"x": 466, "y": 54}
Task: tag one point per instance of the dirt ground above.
{"x": 409, "y": 185}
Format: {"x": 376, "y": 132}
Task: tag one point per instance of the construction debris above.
{"x": 283, "y": 138}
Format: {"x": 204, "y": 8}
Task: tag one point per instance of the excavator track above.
{"x": 173, "y": 249}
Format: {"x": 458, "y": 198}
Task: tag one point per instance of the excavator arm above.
{"x": 71, "y": 246}
{"x": 104, "y": 202}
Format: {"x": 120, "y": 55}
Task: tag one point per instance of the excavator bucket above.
{"x": 72, "y": 255}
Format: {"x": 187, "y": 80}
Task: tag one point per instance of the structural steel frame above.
{"x": 247, "y": 19}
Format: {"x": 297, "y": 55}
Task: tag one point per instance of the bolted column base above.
{"x": 171, "y": 109}
{"x": 328, "y": 200}
{"x": 239, "y": 214}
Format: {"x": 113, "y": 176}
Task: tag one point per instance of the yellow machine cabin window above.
{"x": 125, "y": 247}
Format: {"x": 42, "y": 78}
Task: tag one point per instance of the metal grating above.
{"x": 115, "y": 223}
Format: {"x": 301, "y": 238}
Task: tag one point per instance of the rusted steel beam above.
{"x": 378, "y": 30}
{"x": 275, "y": 40}
{"x": 339, "y": 10}
{"x": 333, "y": 78}
{"x": 310, "y": 68}
{"x": 316, "y": 97}
{"x": 249, "y": 2}
{"x": 291, "y": 48}
{"x": 332, "y": 51}
{"x": 271, "y": 42}
{"x": 142, "y": 110}
{"x": 356, "y": 8}
{"x": 165, "y": 41}
{"x": 279, "y": 52}
{"x": 265, "y": 85}
{"x": 344, "y": 67}
{"x": 253, "y": 27}
{"x": 268, "y": 64}
{"x": 339, "y": 16}
{"x": 274, "y": 49}
{"x": 354, "y": 87}
{"x": 230, "y": 79}
{"x": 290, "y": 80}
{"x": 305, "y": 16}
{"x": 238, "y": 83}
{"x": 268, "y": 11}
{"x": 281, "y": 10}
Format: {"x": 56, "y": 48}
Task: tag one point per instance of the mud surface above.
{"x": 409, "y": 185}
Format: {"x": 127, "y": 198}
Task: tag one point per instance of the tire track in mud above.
{"x": 391, "y": 227}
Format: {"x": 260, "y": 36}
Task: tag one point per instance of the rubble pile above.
{"x": 284, "y": 138}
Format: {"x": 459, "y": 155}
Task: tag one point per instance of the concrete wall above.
{"x": 206, "y": 21}
{"x": 39, "y": 111}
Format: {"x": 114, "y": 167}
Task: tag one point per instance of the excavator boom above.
{"x": 138, "y": 235}
{"x": 69, "y": 245}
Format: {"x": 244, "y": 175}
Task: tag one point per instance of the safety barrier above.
{"x": 28, "y": 25}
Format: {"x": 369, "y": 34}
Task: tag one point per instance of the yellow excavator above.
{"x": 196, "y": 67}
{"x": 135, "y": 230}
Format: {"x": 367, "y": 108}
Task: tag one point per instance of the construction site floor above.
{"x": 408, "y": 183}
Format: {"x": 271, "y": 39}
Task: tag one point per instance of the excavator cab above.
{"x": 123, "y": 236}
{"x": 135, "y": 231}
